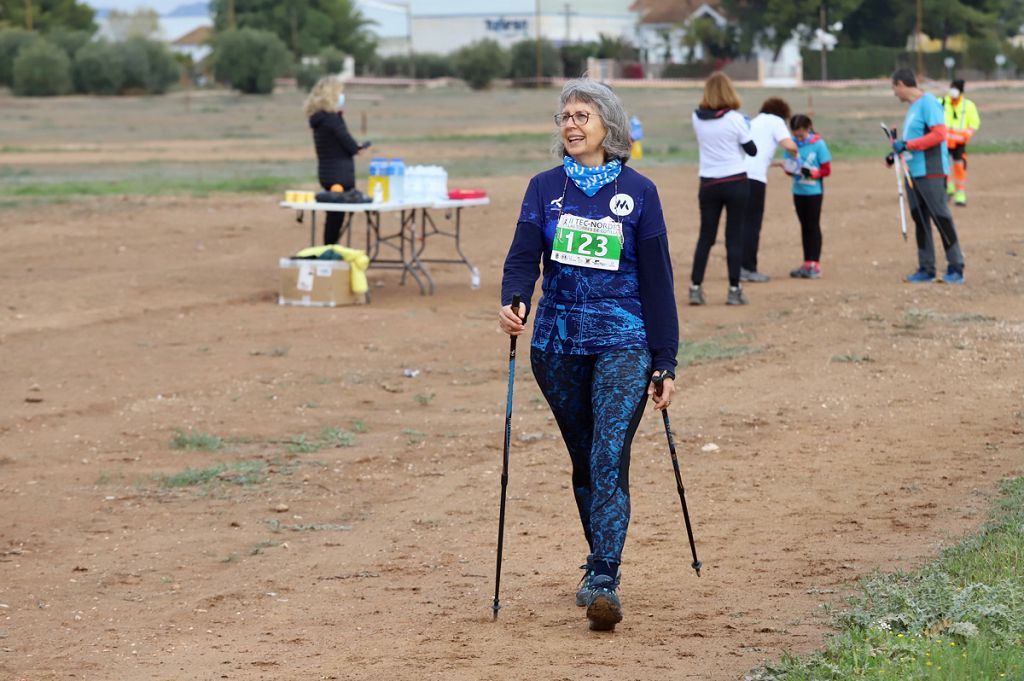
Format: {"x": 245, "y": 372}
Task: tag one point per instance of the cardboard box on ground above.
{"x": 316, "y": 283}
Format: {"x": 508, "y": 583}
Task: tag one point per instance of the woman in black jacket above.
{"x": 335, "y": 147}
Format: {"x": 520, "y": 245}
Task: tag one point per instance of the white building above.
{"x": 661, "y": 32}
{"x": 443, "y": 26}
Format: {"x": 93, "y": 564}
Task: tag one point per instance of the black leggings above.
{"x": 752, "y": 225}
{"x": 715, "y": 194}
{"x": 808, "y": 211}
{"x": 332, "y": 219}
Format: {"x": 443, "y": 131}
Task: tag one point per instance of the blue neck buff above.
{"x": 590, "y": 180}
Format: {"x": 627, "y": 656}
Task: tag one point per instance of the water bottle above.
{"x": 474, "y": 278}
{"x": 397, "y": 180}
{"x": 442, "y": 184}
{"x": 375, "y": 184}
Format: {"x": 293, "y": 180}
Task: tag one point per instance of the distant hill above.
{"x": 195, "y": 9}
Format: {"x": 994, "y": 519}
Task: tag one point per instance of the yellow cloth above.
{"x": 357, "y": 260}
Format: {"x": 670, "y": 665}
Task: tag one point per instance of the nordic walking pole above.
{"x": 504, "y": 461}
{"x": 890, "y": 134}
{"x": 658, "y": 380}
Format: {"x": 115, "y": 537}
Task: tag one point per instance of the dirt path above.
{"x": 865, "y": 426}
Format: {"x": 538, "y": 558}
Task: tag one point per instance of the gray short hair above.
{"x": 617, "y": 143}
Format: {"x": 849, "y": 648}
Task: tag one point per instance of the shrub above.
{"x": 99, "y": 68}
{"x": 332, "y": 60}
{"x": 148, "y": 66}
{"x": 69, "y": 40}
{"x": 41, "y": 69}
{"x": 481, "y": 62}
{"x": 523, "y": 60}
{"x": 11, "y": 42}
{"x": 249, "y": 60}
{"x": 574, "y": 58}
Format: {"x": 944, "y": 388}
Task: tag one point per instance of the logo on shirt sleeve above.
{"x": 621, "y": 204}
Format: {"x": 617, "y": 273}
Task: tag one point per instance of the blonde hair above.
{"x": 323, "y": 96}
{"x": 719, "y": 93}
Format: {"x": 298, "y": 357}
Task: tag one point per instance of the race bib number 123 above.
{"x": 587, "y": 243}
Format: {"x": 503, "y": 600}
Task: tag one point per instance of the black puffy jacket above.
{"x": 334, "y": 149}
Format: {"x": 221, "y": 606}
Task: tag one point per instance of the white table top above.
{"x": 385, "y": 207}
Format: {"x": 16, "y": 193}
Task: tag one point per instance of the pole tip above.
{"x": 494, "y": 611}
{"x": 696, "y": 566}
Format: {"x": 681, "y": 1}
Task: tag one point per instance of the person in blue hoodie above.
{"x": 605, "y": 324}
{"x": 808, "y": 168}
{"x": 335, "y": 147}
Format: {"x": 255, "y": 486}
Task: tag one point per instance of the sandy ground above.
{"x": 867, "y": 427}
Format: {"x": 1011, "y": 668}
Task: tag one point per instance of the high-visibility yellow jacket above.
{"x": 962, "y": 120}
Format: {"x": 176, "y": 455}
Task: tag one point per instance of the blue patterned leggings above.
{"x": 597, "y": 401}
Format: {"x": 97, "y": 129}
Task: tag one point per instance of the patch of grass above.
{"x": 278, "y": 526}
{"x": 423, "y": 399}
{"x": 959, "y": 617}
{"x": 413, "y": 437}
{"x": 196, "y": 441}
{"x": 266, "y": 544}
{"x": 852, "y": 359}
{"x": 359, "y": 426}
{"x": 971, "y": 318}
{"x": 264, "y": 184}
{"x": 712, "y": 350}
{"x": 191, "y": 477}
{"x": 242, "y": 473}
{"x": 330, "y": 436}
{"x": 281, "y": 351}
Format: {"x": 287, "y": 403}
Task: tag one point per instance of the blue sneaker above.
{"x": 953, "y": 277}
{"x": 604, "y": 610}
{"x": 922, "y": 276}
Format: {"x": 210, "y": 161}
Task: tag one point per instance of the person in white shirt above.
{"x": 769, "y": 131}
{"x": 723, "y": 137}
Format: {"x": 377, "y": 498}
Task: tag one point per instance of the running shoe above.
{"x": 583, "y": 590}
{"x": 806, "y": 271}
{"x": 752, "y": 275}
{"x": 735, "y": 296}
{"x": 604, "y": 609}
{"x": 696, "y": 295}
{"x": 921, "y": 276}
{"x": 953, "y": 277}
{"x": 960, "y": 198}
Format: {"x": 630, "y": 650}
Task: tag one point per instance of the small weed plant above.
{"x": 196, "y": 441}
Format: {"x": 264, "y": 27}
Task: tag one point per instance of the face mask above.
{"x": 341, "y": 101}
{"x": 954, "y": 92}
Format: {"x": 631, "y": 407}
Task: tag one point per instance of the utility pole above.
{"x": 28, "y": 14}
{"x": 408, "y": 33}
{"x": 917, "y": 43}
{"x": 540, "y": 65}
{"x": 824, "y": 57}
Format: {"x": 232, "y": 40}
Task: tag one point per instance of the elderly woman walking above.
{"x": 605, "y": 324}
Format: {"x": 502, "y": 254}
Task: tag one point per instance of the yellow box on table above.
{"x": 317, "y": 283}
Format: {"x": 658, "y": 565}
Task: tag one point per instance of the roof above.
{"x": 197, "y": 36}
{"x": 670, "y": 11}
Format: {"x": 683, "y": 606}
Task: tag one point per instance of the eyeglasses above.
{"x": 580, "y": 118}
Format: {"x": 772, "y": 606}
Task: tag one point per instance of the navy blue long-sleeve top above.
{"x": 588, "y": 310}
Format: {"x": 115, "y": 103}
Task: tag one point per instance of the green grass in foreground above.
{"x": 960, "y": 618}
